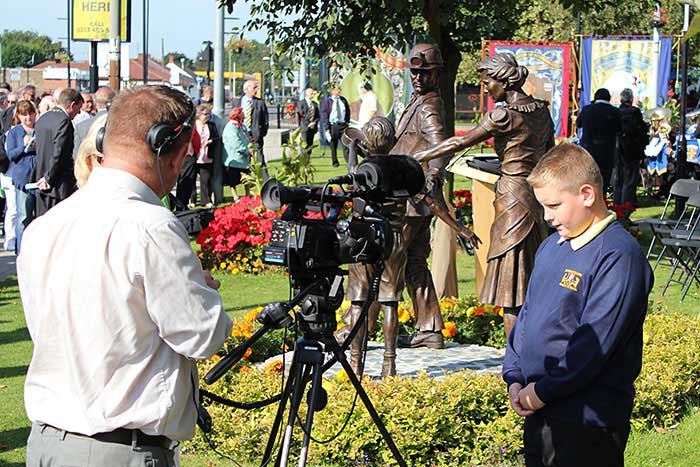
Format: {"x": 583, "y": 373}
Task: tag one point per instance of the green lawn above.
{"x": 676, "y": 447}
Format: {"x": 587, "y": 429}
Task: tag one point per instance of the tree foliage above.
{"x": 27, "y": 48}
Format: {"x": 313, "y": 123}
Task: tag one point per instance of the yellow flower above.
{"x": 215, "y": 358}
{"x": 238, "y": 256}
{"x": 342, "y": 376}
{"x": 274, "y": 367}
{"x": 449, "y": 330}
{"x": 222, "y": 265}
{"x": 236, "y": 333}
{"x": 470, "y": 311}
{"x": 404, "y": 315}
{"x": 499, "y": 311}
{"x": 235, "y": 271}
{"x": 245, "y": 260}
{"x": 250, "y": 316}
{"x": 447, "y": 304}
{"x": 489, "y": 309}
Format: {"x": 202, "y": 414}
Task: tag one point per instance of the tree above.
{"x": 354, "y": 27}
{"x": 27, "y": 48}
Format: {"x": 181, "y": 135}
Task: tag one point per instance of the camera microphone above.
{"x": 386, "y": 176}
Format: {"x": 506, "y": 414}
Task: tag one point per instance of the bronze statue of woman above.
{"x": 523, "y": 131}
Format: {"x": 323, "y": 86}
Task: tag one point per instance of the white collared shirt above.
{"x": 117, "y": 308}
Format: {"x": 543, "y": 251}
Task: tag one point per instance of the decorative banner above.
{"x": 549, "y": 65}
{"x": 616, "y": 63}
{"x": 91, "y": 20}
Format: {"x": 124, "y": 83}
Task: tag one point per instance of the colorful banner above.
{"x": 549, "y": 65}
{"x": 616, "y": 63}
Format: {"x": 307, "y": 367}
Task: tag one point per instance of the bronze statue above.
{"x": 376, "y": 140}
{"x": 523, "y": 131}
{"x": 422, "y": 126}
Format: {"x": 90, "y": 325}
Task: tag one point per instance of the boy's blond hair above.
{"x": 567, "y": 167}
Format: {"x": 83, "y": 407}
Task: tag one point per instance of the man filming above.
{"x": 116, "y": 301}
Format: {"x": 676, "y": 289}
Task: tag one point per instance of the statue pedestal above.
{"x": 483, "y": 196}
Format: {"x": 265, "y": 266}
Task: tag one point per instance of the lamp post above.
{"x": 262, "y": 74}
{"x": 67, "y": 20}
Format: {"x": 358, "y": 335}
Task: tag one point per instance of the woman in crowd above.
{"x": 236, "y": 157}
{"x": 21, "y": 150}
{"x": 209, "y": 143}
{"x": 88, "y": 156}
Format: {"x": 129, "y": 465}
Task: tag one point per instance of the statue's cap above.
{"x": 425, "y": 57}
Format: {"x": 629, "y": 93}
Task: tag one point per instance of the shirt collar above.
{"x": 116, "y": 179}
{"x": 590, "y": 233}
{"x": 601, "y": 101}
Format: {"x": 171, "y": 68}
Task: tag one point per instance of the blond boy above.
{"x": 576, "y": 347}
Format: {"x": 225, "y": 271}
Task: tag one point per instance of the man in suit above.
{"x": 255, "y": 119}
{"x": 335, "y": 114}
{"x": 103, "y": 99}
{"x": 309, "y": 115}
{"x": 601, "y": 124}
{"x": 54, "y": 150}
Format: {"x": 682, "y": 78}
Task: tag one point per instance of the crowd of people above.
{"x": 41, "y": 161}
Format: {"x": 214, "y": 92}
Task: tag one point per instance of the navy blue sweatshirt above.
{"x": 579, "y": 333}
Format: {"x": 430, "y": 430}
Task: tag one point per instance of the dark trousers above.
{"x": 44, "y": 202}
{"x": 337, "y": 130}
{"x": 205, "y": 172}
{"x": 186, "y": 180}
{"x": 551, "y": 443}
{"x": 309, "y": 134}
{"x": 627, "y": 179}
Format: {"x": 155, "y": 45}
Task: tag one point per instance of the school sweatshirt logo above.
{"x": 571, "y": 279}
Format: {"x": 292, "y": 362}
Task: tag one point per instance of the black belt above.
{"x": 125, "y": 436}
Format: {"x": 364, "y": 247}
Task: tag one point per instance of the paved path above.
{"x": 436, "y": 363}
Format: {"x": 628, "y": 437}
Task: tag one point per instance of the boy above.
{"x": 576, "y": 348}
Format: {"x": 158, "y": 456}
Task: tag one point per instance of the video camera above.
{"x": 315, "y": 248}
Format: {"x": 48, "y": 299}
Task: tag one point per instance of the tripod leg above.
{"x": 340, "y": 356}
{"x": 288, "y": 387}
{"x": 302, "y": 376}
{"x": 315, "y": 390}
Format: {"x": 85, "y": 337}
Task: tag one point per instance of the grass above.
{"x": 675, "y": 447}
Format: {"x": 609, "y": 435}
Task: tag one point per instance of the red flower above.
{"x": 670, "y": 93}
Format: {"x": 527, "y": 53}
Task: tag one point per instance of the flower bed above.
{"x": 233, "y": 241}
{"x": 460, "y": 420}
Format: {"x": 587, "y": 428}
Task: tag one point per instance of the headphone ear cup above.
{"x": 159, "y": 136}
{"x": 100, "y": 140}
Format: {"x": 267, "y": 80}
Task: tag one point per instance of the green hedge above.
{"x": 463, "y": 419}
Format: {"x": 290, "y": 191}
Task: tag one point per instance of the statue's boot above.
{"x": 391, "y": 332}
{"x": 356, "y": 349}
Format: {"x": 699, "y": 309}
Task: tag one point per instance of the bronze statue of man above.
{"x": 523, "y": 131}
{"x": 422, "y": 126}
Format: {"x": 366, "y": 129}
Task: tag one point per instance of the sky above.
{"x": 181, "y": 24}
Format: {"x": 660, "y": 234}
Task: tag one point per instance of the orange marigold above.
{"x": 274, "y": 367}
{"x": 245, "y": 369}
{"x": 449, "y": 330}
{"x": 248, "y": 352}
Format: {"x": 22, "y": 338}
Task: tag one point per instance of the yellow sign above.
{"x": 91, "y": 20}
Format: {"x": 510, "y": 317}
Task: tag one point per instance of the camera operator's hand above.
{"x": 211, "y": 282}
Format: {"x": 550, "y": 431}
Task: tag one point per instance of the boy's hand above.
{"x": 529, "y": 398}
{"x": 210, "y": 281}
{"x": 514, "y": 396}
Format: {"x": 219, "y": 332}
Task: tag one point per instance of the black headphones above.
{"x": 159, "y": 137}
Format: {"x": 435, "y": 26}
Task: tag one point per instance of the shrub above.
{"x": 460, "y": 420}
{"x": 233, "y": 241}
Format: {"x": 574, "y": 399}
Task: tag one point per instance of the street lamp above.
{"x": 67, "y": 20}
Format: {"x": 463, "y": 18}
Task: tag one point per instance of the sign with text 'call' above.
{"x": 91, "y": 20}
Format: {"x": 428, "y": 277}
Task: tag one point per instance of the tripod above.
{"x": 318, "y": 300}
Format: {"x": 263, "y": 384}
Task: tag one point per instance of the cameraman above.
{"x": 116, "y": 301}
